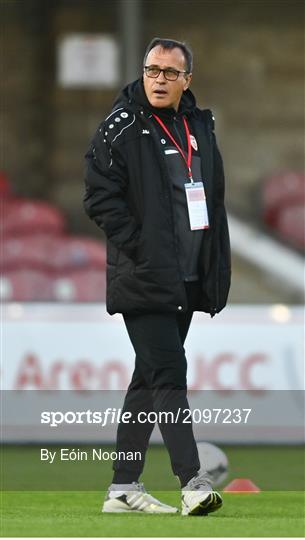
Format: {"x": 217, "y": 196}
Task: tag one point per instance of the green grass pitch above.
{"x": 277, "y": 511}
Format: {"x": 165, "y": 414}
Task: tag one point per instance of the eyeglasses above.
{"x": 170, "y": 74}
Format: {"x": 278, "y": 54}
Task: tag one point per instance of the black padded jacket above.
{"x": 129, "y": 195}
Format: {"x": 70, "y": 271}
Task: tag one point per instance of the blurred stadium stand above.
{"x": 32, "y": 251}
{"x": 87, "y": 285}
{"x": 249, "y": 69}
{"x": 24, "y": 216}
{"x": 40, "y": 261}
{"x": 26, "y": 285}
{"x": 284, "y": 207}
{"x": 76, "y": 252}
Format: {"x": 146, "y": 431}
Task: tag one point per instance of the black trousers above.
{"x": 158, "y": 384}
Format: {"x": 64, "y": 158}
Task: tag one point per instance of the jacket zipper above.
{"x": 168, "y": 181}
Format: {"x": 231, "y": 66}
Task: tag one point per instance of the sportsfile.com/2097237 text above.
{"x": 113, "y": 415}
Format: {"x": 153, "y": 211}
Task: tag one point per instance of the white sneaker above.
{"x": 133, "y": 498}
{"x": 198, "y": 497}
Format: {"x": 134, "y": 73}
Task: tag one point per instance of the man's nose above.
{"x": 161, "y": 77}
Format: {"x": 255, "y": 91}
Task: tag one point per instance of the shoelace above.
{"x": 201, "y": 481}
{"x": 139, "y": 486}
{"x": 149, "y": 498}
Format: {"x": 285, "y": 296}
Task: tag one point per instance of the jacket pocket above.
{"x": 125, "y": 264}
{"x": 112, "y": 254}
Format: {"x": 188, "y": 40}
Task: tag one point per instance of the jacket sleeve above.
{"x": 219, "y": 175}
{"x": 106, "y": 182}
{"x": 222, "y": 250}
{"x": 221, "y": 220}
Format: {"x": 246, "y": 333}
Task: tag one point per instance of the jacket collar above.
{"x": 133, "y": 95}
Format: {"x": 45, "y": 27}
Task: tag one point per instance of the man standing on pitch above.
{"x": 155, "y": 185}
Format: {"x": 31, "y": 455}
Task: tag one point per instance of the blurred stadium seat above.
{"x": 284, "y": 206}
{"x": 26, "y": 216}
{"x": 86, "y": 285}
{"x": 40, "y": 262}
{"x": 26, "y": 285}
{"x": 31, "y": 252}
{"x": 5, "y": 188}
{"x": 76, "y": 252}
{"x": 55, "y": 253}
{"x": 291, "y": 225}
{"x": 40, "y": 267}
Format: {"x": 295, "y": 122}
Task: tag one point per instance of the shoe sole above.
{"x": 119, "y": 508}
{"x": 212, "y": 503}
{"x": 137, "y": 512}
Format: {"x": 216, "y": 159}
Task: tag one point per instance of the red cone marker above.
{"x": 241, "y": 485}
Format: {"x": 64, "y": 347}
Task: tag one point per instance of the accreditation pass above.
{"x": 197, "y": 206}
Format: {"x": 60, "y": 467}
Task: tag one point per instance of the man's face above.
{"x": 159, "y": 91}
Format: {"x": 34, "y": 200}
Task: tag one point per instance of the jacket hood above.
{"x": 133, "y": 95}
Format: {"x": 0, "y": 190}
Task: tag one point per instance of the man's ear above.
{"x": 188, "y": 81}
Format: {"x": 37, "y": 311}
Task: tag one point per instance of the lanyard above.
{"x": 187, "y": 159}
